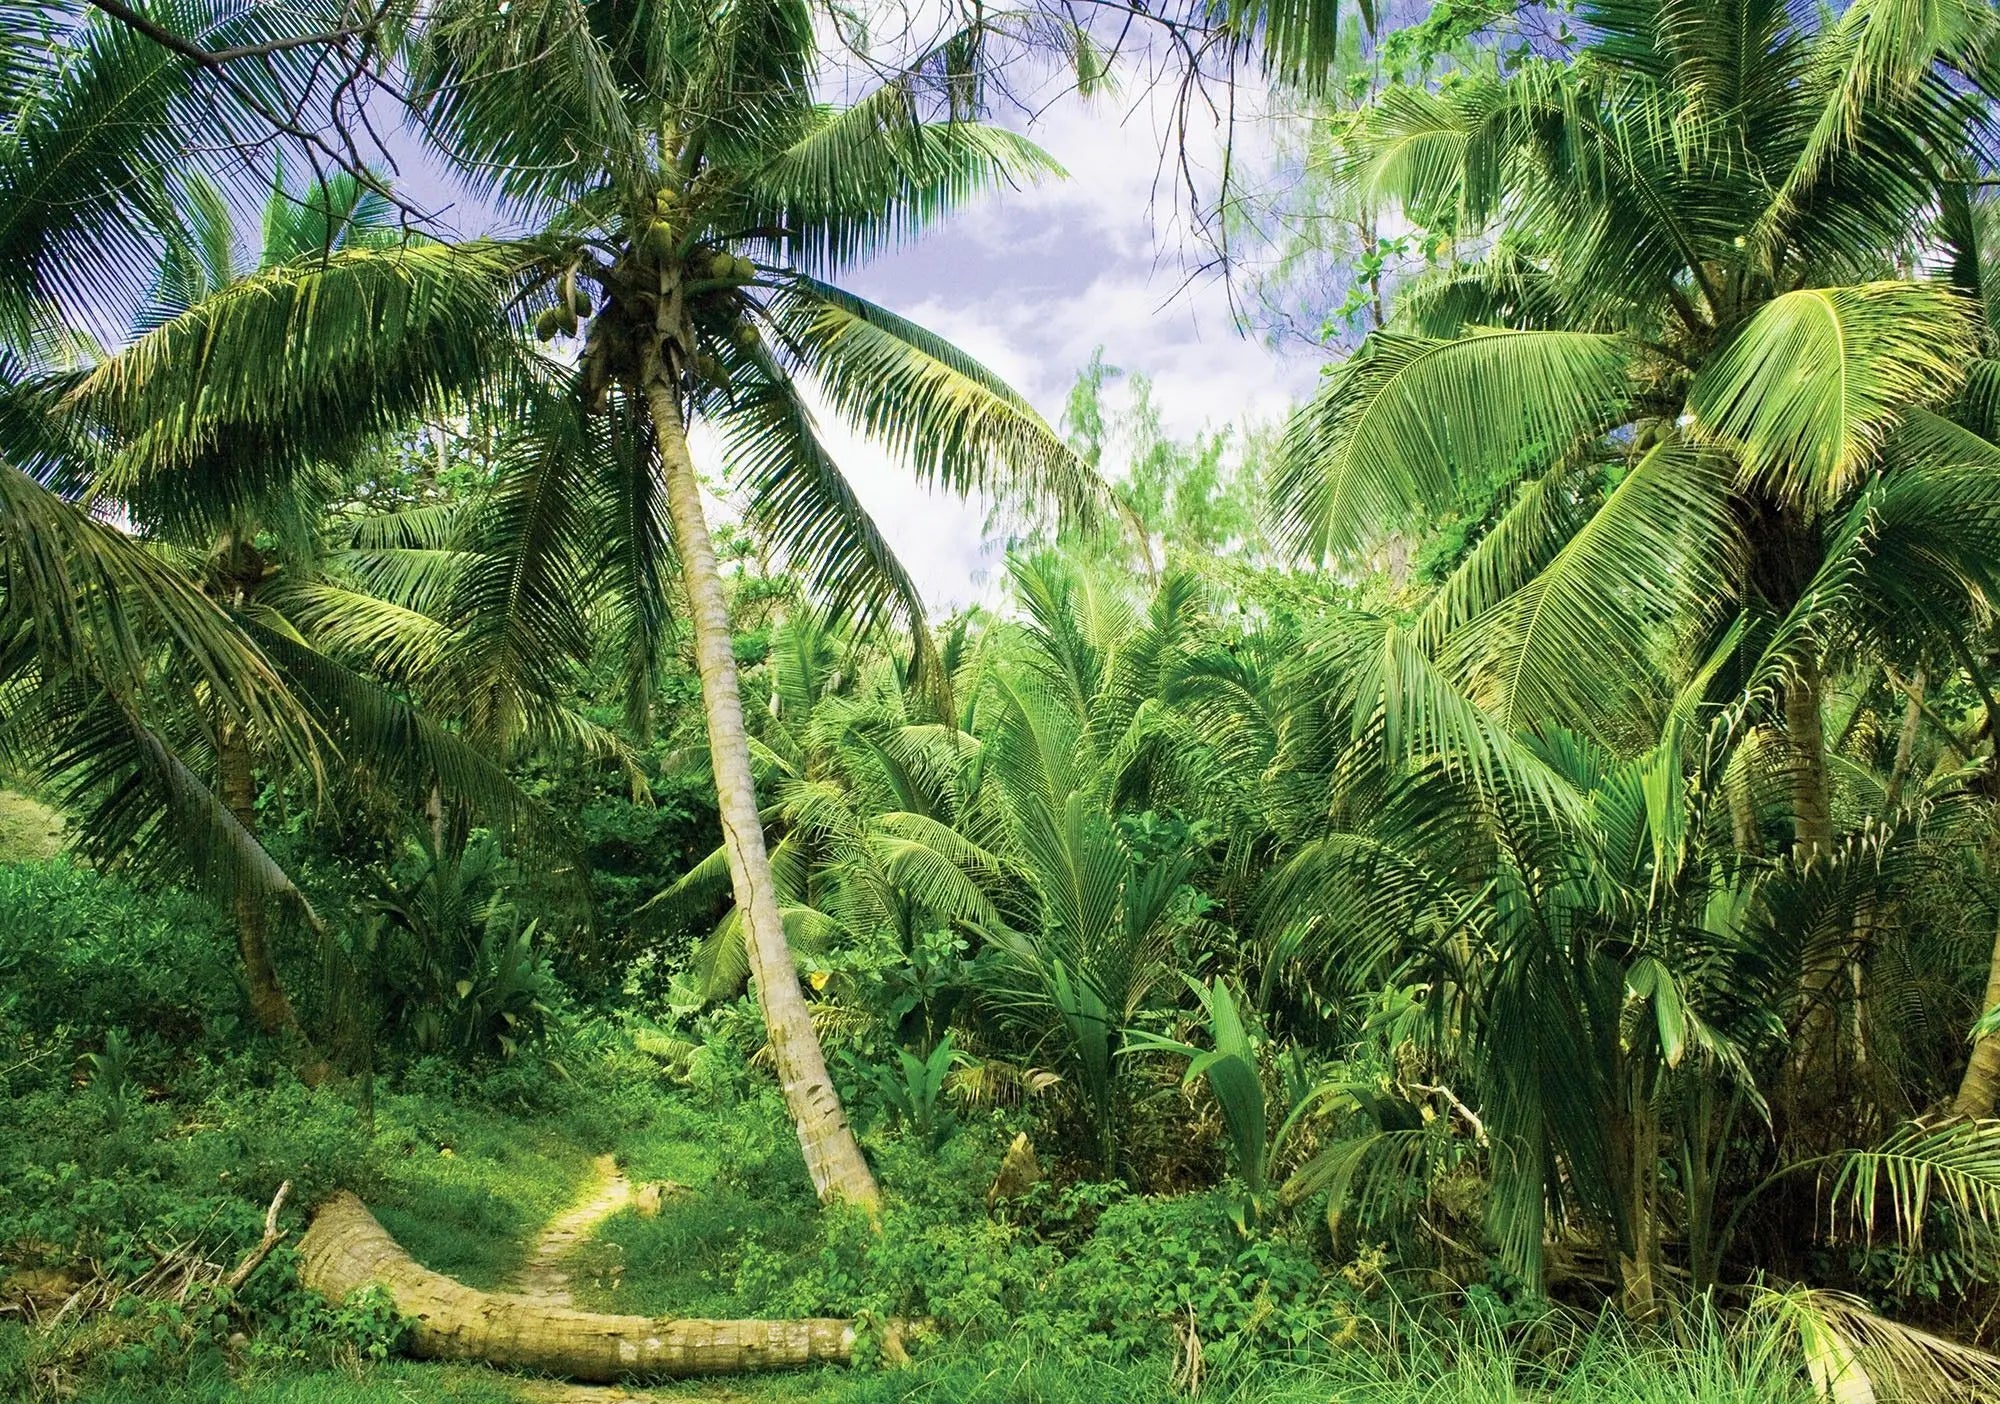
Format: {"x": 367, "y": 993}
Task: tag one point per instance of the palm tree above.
{"x": 669, "y": 139}
{"x": 1690, "y": 359}
{"x": 688, "y": 187}
{"x": 98, "y": 119}
{"x": 221, "y": 515}
{"x": 244, "y": 515}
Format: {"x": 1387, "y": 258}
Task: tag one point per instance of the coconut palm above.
{"x": 1689, "y": 358}
{"x": 689, "y": 189}
{"x": 1685, "y": 340}
{"x": 247, "y": 517}
{"x": 669, "y": 145}
{"x": 100, "y": 119}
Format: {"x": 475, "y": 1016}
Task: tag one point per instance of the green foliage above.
{"x": 84, "y": 955}
{"x": 1573, "y": 887}
{"x": 914, "y": 1090}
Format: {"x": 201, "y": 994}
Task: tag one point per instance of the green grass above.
{"x": 399, "y": 1382}
{"x": 1610, "y": 1367}
{"x": 745, "y": 1191}
{"x": 472, "y": 1213}
{"x": 30, "y": 832}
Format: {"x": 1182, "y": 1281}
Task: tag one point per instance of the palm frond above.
{"x": 952, "y": 420}
{"x": 1408, "y": 422}
{"x": 863, "y": 178}
{"x": 1816, "y": 380}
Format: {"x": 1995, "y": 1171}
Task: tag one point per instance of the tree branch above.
{"x": 215, "y": 58}
{"x": 273, "y": 1236}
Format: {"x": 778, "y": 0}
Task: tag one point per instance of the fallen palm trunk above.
{"x": 346, "y": 1249}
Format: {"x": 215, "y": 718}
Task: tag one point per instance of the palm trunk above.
{"x": 1906, "y": 746}
{"x": 268, "y": 1001}
{"x": 1805, "y": 731}
{"x": 1825, "y": 986}
{"x": 1638, "y": 1268}
{"x": 1980, "y": 1087}
{"x": 346, "y": 1249}
{"x": 833, "y": 1157}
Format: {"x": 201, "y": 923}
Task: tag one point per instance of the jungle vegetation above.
{"x": 1483, "y": 890}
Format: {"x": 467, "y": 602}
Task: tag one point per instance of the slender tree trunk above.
{"x": 1817, "y": 1099}
{"x": 268, "y": 1001}
{"x": 1980, "y": 1087}
{"x": 833, "y": 1157}
{"x": 1743, "y": 820}
{"x": 1805, "y": 731}
{"x": 1635, "y": 1140}
{"x": 1906, "y": 745}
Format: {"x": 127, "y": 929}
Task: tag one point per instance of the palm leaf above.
{"x": 1408, "y": 422}
{"x": 952, "y": 420}
{"x": 1814, "y": 382}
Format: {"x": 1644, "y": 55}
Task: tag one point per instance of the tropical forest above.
{"x": 1092, "y": 701}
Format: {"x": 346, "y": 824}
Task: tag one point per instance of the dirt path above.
{"x": 545, "y": 1275}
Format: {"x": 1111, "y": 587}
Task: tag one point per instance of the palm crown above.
{"x": 1684, "y": 347}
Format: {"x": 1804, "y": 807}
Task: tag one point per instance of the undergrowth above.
{"x": 144, "y": 1130}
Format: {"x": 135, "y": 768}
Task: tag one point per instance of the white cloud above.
{"x": 1031, "y": 281}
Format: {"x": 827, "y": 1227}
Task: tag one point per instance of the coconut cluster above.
{"x": 572, "y": 306}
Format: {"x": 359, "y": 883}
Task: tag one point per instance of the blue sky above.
{"x": 1030, "y": 281}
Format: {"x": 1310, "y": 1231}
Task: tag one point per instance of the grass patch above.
{"x": 465, "y": 1188}
{"x": 395, "y": 1383}
{"x": 746, "y": 1193}
{"x": 30, "y": 832}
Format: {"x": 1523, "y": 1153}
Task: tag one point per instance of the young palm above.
{"x": 689, "y": 189}
{"x": 874, "y": 805}
{"x": 245, "y": 516}
{"x": 1686, "y": 352}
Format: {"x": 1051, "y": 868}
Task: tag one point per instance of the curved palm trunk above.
{"x": 833, "y": 1157}
{"x": 346, "y": 1249}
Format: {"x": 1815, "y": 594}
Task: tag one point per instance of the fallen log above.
{"x": 347, "y": 1249}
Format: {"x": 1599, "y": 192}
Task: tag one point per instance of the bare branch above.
{"x": 215, "y": 58}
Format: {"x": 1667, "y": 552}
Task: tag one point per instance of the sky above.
{"x": 1031, "y": 281}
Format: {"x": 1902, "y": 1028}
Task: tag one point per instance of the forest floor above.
{"x": 545, "y": 1276}
{"x": 29, "y": 830}
{"x": 616, "y": 1171}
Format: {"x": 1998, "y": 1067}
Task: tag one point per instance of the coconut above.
{"x": 546, "y": 324}
{"x": 663, "y": 199}
{"x": 721, "y": 265}
{"x": 580, "y": 303}
{"x": 660, "y": 239}
{"x": 744, "y": 268}
{"x": 747, "y": 336}
{"x": 707, "y": 367}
